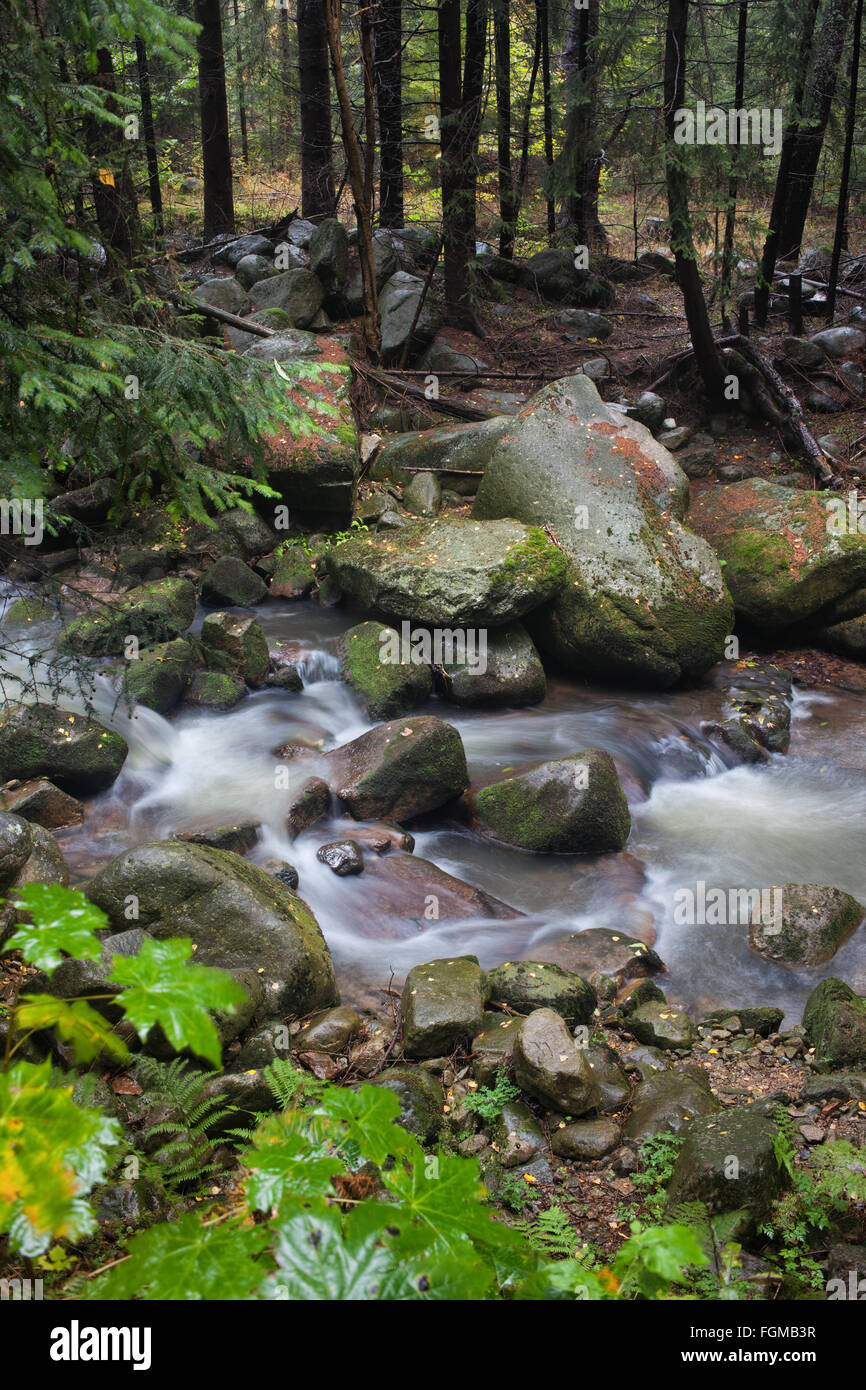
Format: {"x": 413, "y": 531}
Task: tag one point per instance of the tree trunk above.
{"x": 845, "y": 179}
{"x": 677, "y": 180}
{"x": 527, "y": 114}
{"x": 285, "y": 72}
{"x": 580, "y": 160}
{"x": 242, "y": 103}
{"x": 219, "y": 211}
{"x": 113, "y": 192}
{"x": 808, "y": 139}
{"x": 733, "y": 181}
{"x": 360, "y": 176}
{"x": 389, "y": 96}
{"x": 317, "y": 168}
{"x": 460, "y": 117}
{"x": 507, "y": 199}
{"x": 544, "y": 23}
{"x": 149, "y": 137}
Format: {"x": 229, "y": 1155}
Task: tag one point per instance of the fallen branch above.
{"x": 183, "y": 301}
{"x": 793, "y": 424}
{"x": 403, "y": 389}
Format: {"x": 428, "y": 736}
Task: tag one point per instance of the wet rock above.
{"x": 420, "y": 1097}
{"x": 160, "y": 675}
{"x": 612, "y": 1081}
{"x": 549, "y": 1066}
{"x": 459, "y": 451}
{"x": 27, "y": 612}
{"x": 214, "y": 690}
{"x": 238, "y": 916}
{"x": 603, "y": 953}
{"x": 16, "y": 846}
{"x": 814, "y": 922}
{"x": 79, "y": 755}
{"x": 151, "y": 612}
{"x": 246, "y": 1092}
{"x": 528, "y": 985}
{"x": 40, "y": 801}
{"x": 293, "y": 575}
{"x": 788, "y": 555}
{"x": 308, "y": 804}
{"x": 400, "y": 769}
{"x": 571, "y": 805}
{"x": 403, "y": 894}
{"x": 77, "y": 978}
{"x": 630, "y": 996}
{"x": 844, "y": 639}
{"x": 238, "y": 838}
{"x": 834, "y": 1021}
{"x": 644, "y": 599}
{"x": 507, "y": 672}
{"x": 705, "y": 1173}
{"x": 263, "y": 1047}
{"x": 250, "y": 244}
{"x": 239, "y": 638}
{"x": 586, "y": 1140}
{"x": 242, "y": 533}
{"x": 646, "y": 1060}
{"x": 552, "y": 273}
{"x": 343, "y": 857}
{"x": 385, "y": 687}
{"x": 251, "y": 269}
{"x": 442, "y": 1004}
{"x": 229, "y": 582}
{"x": 285, "y": 678}
{"x": 699, "y": 462}
{"x": 667, "y": 1102}
{"x": 756, "y": 711}
{"x": 763, "y": 1019}
{"x": 450, "y": 572}
{"x": 836, "y": 1086}
{"x": 493, "y": 1047}
{"x": 659, "y": 1025}
{"x": 281, "y": 870}
{"x": 328, "y": 1031}
{"x": 676, "y": 438}
{"x": 518, "y": 1135}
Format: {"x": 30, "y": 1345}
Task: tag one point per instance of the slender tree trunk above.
{"x": 389, "y": 96}
{"x": 285, "y": 71}
{"x": 317, "y": 167}
{"x": 682, "y": 242}
{"x": 507, "y": 199}
{"x": 544, "y": 20}
{"x": 360, "y": 175}
{"x": 809, "y": 137}
{"x": 460, "y": 117}
{"x": 580, "y": 159}
{"x": 780, "y": 194}
{"x": 149, "y": 136}
{"x": 113, "y": 193}
{"x": 527, "y": 114}
{"x": 242, "y": 103}
{"x": 845, "y": 180}
{"x": 733, "y": 181}
{"x": 219, "y": 211}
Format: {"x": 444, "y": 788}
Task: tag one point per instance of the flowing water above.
{"x": 799, "y": 818}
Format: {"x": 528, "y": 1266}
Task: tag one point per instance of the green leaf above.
{"x": 327, "y": 1257}
{"x": 62, "y": 923}
{"x": 286, "y": 1160}
{"x": 366, "y": 1117}
{"x": 52, "y": 1152}
{"x": 161, "y": 986}
{"x": 75, "y": 1022}
{"x": 186, "y": 1260}
{"x": 447, "y": 1196}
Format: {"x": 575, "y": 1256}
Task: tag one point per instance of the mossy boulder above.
{"x": 549, "y": 1065}
{"x": 461, "y": 451}
{"x": 241, "y": 640}
{"x": 80, "y": 756}
{"x": 400, "y": 769}
{"x": 573, "y": 805}
{"x": 298, "y": 292}
{"x": 294, "y": 575}
{"x": 151, "y": 612}
{"x": 586, "y": 1140}
{"x": 442, "y": 1004}
{"x": 214, "y": 690}
{"x": 450, "y": 572}
{"x": 329, "y": 255}
{"x": 238, "y": 916}
{"x": 328, "y": 1031}
{"x": 729, "y": 1165}
{"x": 815, "y": 922}
{"x": 420, "y": 1097}
{"x": 644, "y": 599}
{"x": 493, "y": 1047}
{"x": 666, "y": 1102}
{"x": 385, "y": 688}
{"x": 16, "y": 843}
{"x": 834, "y": 1021}
{"x": 231, "y": 583}
{"x": 160, "y": 675}
{"x": 786, "y": 558}
{"x": 28, "y": 612}
{"x": 508, "y": 671}
{"x": 526, "y": 985}
{"x": 762, "y": 1018}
